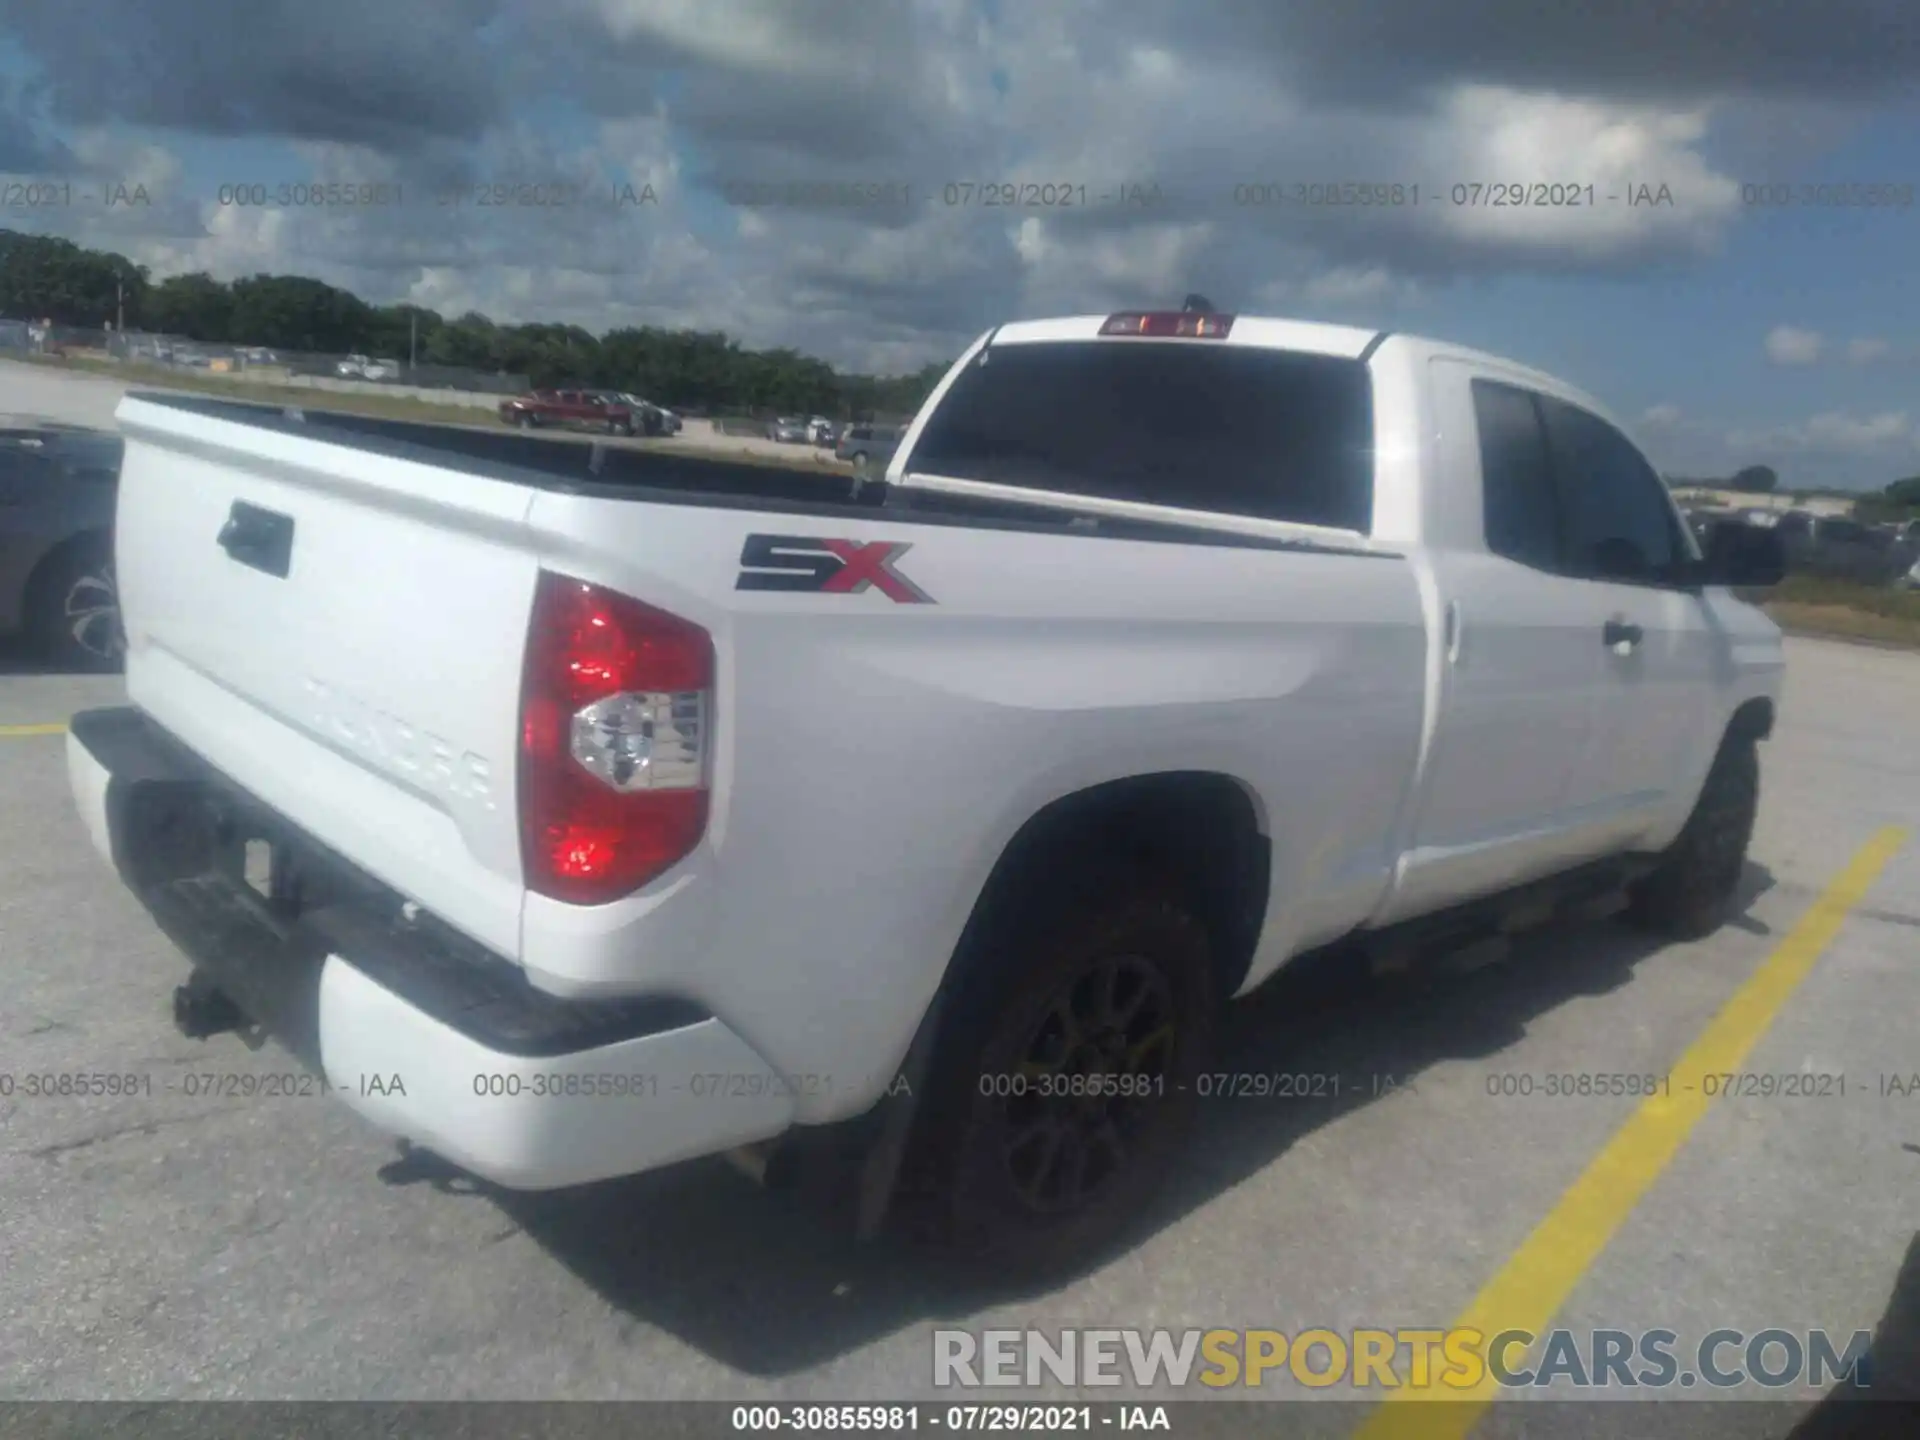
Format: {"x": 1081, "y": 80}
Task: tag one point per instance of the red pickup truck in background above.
{"x": 569, "y": 407}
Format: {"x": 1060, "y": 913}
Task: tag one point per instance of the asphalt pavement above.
{"x": 184, "y": 1244}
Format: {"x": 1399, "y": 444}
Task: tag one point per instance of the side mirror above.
{"x": 1743, "y": 556}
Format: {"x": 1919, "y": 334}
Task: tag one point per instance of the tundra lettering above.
{"x": 428, "y": 759}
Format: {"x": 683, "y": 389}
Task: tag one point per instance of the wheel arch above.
{"x": 1752, "y": 720}
{"x": 34, "y": 593}
{"x": 1205, "y": 831}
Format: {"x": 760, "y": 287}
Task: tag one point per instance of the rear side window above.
{"x": 1269, "y": 434}
{"x": 1516, "y": 477}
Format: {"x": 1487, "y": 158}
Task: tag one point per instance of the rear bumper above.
{"x": 417, "y": 1028}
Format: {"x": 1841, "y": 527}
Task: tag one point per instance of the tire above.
{"x": 1687, "y": 894}
{"x": 1037, "y": 1184}
{"x": 859, "y": 458}
{"x": 73, "y": 611}
{"x": 525, "y": 422}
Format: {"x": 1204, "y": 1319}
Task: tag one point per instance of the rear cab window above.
{"x": 1521, "y": 513}
{"x": 1229, "y": 429}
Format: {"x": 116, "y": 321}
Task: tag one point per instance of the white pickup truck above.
{"x": 580, "y": 809}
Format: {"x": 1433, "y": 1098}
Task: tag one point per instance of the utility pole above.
{"x": 119, "y": 305}
{"x": 413, "y": 337}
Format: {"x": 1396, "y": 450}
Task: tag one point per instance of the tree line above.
{"x": 1897, "y": 501}
{"x": 51, "y": 278}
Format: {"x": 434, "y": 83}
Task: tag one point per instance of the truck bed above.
{"x": 585, "y": 466}
{"x": 333, "y": 613}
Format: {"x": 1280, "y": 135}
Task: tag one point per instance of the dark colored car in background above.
{"x": 58, "y": 484}
{"x": 869, "y": 446}
{"x": 589, "y": 409}
{"x": 1843, "y": 549}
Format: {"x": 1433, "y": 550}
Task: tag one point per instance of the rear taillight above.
{"x": 616, "y": 710}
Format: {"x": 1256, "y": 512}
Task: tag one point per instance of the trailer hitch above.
{"x": 202, "y": 1010}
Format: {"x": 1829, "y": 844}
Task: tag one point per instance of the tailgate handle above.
{"x": 259, "y": 539}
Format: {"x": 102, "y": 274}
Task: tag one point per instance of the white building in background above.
{"x": 1717, "y": 497}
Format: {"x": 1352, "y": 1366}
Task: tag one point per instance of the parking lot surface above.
{"x": 179, "y": 1243}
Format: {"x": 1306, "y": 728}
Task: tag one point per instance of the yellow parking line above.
{"x": 1533, "y": 1285}
{"x": 8, "y": 732}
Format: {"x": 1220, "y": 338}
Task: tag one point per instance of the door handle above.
{"x": 260, "y": 539}
{"x": 1621, "y": 635}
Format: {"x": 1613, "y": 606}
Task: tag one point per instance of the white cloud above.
{"x": 1491, "y": 136}
{"x": 1661, "y": 415}
{"x": 1356, "y": 285}
{"x": 1835, "y": 433}
{"x": 1102, "y": 93}
{"x": 1860, "y": 434}
{"x": 1866, "y": 351}
{"x": 1787, "y": 345}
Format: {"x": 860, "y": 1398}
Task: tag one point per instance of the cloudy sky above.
{"x": 1734, "y": 332}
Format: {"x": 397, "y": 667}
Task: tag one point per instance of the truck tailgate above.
{"x": 341, "y": 632}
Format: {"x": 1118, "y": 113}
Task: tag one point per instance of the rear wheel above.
{"x": 74, "y": 611}
{"x": 1687, "y": 894}
{"x": 1064, "y": 1087}
{"x": 525, "y": 422}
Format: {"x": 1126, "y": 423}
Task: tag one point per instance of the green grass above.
{"x": 1874, "y": 599}
{"x": 1811, "y": 605}
{"x": 384, "y": 407}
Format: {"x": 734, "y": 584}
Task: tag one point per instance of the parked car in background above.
{"x": 362, "y": 367}
{"x": 575, "y": 409}
{"x": 58, "y": 485}
{"x": 1842, "y": 549}
{"x": 788, "y": 430}
{"x": 652, "y": 419}
{"x": 869, "y": 446}
{"x": 821, "y": 431}
{"x": 1701, "y": 520}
